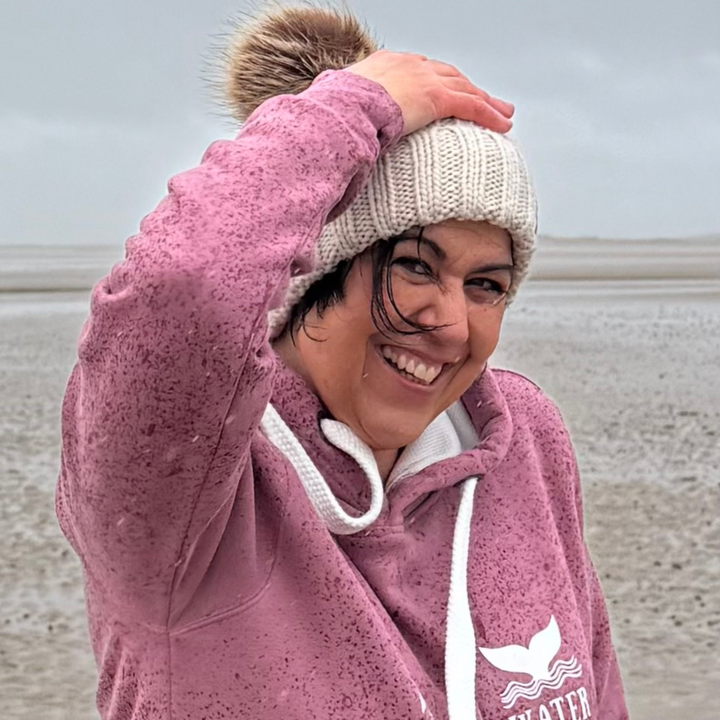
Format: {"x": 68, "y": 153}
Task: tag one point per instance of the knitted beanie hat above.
{"x": 450, "y": 169}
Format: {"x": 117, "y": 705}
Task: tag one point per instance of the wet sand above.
{"x": 629, "y": 351}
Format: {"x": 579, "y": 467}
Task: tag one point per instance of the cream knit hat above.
{"x": 451, "y": 169}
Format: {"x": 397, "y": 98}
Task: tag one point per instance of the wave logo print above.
{"x": 533, "y": 660}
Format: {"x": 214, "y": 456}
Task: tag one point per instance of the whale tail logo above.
{"x": 533, "y": 660}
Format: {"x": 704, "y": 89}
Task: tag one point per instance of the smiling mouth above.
{"x": 410, "y": 368}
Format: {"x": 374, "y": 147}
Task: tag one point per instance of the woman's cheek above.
{"x": 485, "y": 334}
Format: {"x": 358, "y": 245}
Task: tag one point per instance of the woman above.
{"x": 296, "y": 487}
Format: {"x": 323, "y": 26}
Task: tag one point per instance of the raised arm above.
{"x": 177, "y": 333}
{"x": 177, "y": 330}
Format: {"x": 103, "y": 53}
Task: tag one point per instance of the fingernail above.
{"x": 506, "y": 108}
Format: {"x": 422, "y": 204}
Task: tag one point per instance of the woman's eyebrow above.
{"x": 493, "y": 268}
{"x": 437, "y": 250}
{"x": 440, "y": 254}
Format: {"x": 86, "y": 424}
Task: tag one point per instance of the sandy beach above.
{"x": 624, "y": 336}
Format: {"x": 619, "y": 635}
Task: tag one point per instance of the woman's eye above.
{"x": 413, "y": 265}
{"x": 488, "y": 286}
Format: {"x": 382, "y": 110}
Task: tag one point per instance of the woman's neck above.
{"x": 288, "y": 353}
{"x": 386, "y": 460}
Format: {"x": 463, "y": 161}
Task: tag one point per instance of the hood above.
{"x": 467, "y": 440}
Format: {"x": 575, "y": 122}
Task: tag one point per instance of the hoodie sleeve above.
{"x": 177, "y": 331}
{"x": 565, "y": 491}
{"x": 610, "y": 696}
{"x": 606, "y": 670}
{"x": 608, "y": 682}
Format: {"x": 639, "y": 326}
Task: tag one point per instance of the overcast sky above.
{"x": 618, "y": 105}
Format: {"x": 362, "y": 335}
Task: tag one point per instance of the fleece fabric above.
{"x": 214, "y": 590}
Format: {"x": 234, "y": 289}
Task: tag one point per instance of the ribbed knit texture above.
{"x": 451, "y": 169}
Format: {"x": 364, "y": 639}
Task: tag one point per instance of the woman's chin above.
{"x": 391, "y": 434}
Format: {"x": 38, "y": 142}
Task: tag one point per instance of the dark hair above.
{"x": 329, "y": 290}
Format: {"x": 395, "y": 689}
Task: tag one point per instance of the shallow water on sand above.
{"x": 635, "y": 376}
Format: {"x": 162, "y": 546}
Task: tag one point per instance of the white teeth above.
{"x": 420, "y": 371}
{"x": 431, "y": 374}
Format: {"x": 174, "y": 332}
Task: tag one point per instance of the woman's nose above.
{"x": 447, "y": 310}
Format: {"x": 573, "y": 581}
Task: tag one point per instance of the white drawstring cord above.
{"x": 318, "y": 492}
{"x": 460, "y": 633}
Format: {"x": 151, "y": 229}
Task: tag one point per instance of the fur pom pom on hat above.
{"x": 451, "y": 169}
{"x": 281, "y": 52}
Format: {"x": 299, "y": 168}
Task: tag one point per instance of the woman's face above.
{"x": 457, "y": 278}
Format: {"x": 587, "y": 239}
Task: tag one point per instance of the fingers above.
{"x": 504, "y": 108}
{"x": 427, "y": 89}
{"x": 454, "y": 79}
{"x": 445, "y": 69}
{"x": 491, "y": 112}
{"x": 462, "y": 84}
{"x": 473, "y": 108}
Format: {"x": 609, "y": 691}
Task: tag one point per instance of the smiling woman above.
{"x": 297, "y": 488}
{"x": 446, "y": 285}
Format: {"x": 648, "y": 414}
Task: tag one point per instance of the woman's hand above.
{"x": 428, "y": 90}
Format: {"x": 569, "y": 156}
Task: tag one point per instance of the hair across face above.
{"x": 329, "y": 290}
{"x": 395, "y": 336}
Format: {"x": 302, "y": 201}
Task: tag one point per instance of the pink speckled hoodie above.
{"x": 233, "y": 569}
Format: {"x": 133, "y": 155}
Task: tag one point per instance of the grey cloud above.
{"x": 618, "y": 109}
